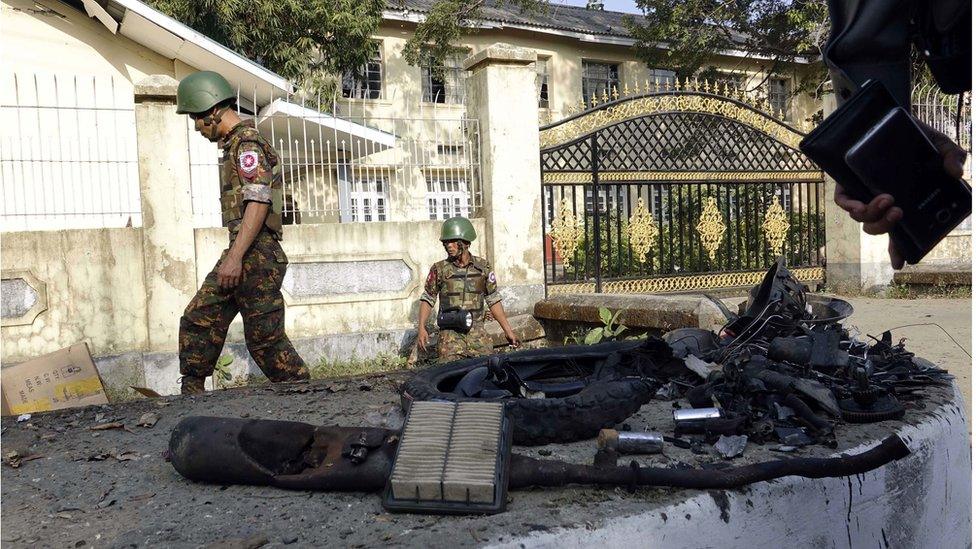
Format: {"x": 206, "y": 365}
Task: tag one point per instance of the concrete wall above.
{"x": 94, "y": 284}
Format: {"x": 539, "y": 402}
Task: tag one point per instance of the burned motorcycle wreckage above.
{"x": 782, "y": 372}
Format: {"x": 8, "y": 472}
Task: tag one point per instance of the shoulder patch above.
{"x": 248, "y": 162}
{"x": 491, "y": 277}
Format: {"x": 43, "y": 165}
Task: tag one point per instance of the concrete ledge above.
{"x": 650, "y": 312}
{"x": 935, "y": 275}
{"x": 156, "y": 87}
{"x": 500, "y": 54}
{"x": 922, "y": 500}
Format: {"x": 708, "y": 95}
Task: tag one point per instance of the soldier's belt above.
{"x": 458, "y": 320}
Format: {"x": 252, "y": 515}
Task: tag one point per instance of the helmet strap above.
{"x": 211, "y": 121}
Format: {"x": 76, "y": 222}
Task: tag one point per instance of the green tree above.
{"x": 697, "y": 30}
{"x": 308, "y": 42}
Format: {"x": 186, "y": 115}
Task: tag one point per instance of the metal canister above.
{"x": 691, "y": 420}
{"x": 629, "y": 442}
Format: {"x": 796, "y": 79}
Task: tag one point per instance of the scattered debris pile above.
{"x": 785, "y": 370}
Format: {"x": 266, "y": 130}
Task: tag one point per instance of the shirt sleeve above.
{"x": 255, "y": 172}
{"x": 431, "y": 288}
{"x": 491, "y": 287}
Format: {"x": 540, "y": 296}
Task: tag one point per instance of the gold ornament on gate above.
{"x": 565, "y": 231}
{"x": 642, "y": 231}
{"x": 711, "y": 227}
{"x": 775, "y": 225}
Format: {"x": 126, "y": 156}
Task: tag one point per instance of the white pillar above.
{"x": 856, "y": 261}
{"x": 167, "y": 211}
{"x": 502, "y": 96}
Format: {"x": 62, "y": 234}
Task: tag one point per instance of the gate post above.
{"x": 501, "y": 95}
{"x": 169, "y": 251}
{"x": 856, "y": 261}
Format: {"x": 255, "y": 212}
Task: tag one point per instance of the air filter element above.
{"x": 452, "y": 458}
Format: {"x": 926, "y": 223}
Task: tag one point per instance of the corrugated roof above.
{"x": 557, "y": 17}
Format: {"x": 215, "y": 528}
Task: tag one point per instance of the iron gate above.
{"x": 674, "y": 191}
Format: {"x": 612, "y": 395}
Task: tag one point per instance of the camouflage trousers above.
{"x": 453, "y": 345}
{"x": 257, "y": 297}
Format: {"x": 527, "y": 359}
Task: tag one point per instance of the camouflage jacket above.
{"x": 250, "y": 171}
{"x": 469, "y": 288}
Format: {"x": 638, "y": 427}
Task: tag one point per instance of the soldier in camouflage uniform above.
{"x": 247, "y": 278}
{"x": 464, "y": 283}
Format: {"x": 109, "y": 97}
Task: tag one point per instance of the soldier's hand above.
{"x": 229, "y": 273}
{"x": 422, "y": 338}
{"x": 513, "y": 341}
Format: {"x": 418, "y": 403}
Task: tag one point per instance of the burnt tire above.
{"x": 600, "y": 404}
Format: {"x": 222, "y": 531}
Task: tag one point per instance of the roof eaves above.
{"x": 184, "y": 32}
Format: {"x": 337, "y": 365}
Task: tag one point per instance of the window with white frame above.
{"x": 785, "y": 193}
{"x": 659, "y": 200}
{"x": 368, "y": 198}
{"x": 779, "y": 96}
{"x": 599, "y": 78}
{"x": 617, "y": 198}
{"x": 542, "y": 81}
{"x": 447, "y": 196}
{"x": 368, "y": 83}
{"x": 443, "y": 83}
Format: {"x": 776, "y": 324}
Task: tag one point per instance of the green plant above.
{"x": 383, "y": 362}
{"x": 606, "y": 332}
{"x": 222, "y": 375}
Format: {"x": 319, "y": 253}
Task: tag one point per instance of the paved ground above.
{"x": 112, "y": 488}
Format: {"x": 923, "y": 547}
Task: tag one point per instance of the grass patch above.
{"x": 382, "y": 363}
{"x": 907, "y": 291}
{"x": 917, "y": 291}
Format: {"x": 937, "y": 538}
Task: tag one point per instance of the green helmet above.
{"x": 200, "y": 91}
{"x": 458, "y": 228}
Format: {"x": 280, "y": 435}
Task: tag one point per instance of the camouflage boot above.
{"x": 192, "y": 385}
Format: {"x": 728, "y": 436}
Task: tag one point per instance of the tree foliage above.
{"x": 308, "y": 42}
{"x": 697, "y": 30}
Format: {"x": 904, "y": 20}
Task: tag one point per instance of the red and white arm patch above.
{"x": 247, "y": 163}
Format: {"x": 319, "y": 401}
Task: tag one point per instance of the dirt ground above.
{"x": 113, "y": 488}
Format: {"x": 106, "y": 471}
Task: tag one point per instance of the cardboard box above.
{"x": 62, "y": 379}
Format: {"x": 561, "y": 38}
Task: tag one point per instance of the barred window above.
{"x": 663, "y": 78}
{"x": 368, "y": 199}
{"x": 368, "y": 84}
{"x": 447, "y": 196}
{"x": 599, "y": 78}
{"x": 779, "y": 96}
{"x": 542, "y": 81}
{"x": 735, "y": 81}
{"x": 443, "y": 83}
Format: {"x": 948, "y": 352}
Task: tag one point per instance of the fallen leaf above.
{"x": 148, "y": 393}
{"x": 148, "y": 419}
{"x": 104, "y": 426}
